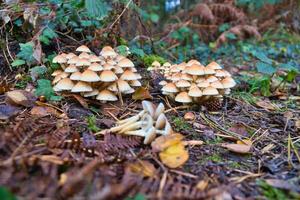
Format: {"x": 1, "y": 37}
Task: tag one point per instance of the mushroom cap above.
{"x": 108, "y": 76}
{"x": 65, "y": 84}
{"x": 84, "y": 55}
{"x": 59, "y": 59}
{"x": 159, "y": 110}
{"x": 186, "y": 77}
{"x": 161, "y": 121}
{"x": 92, "y": 93}
{"x": 76, "y": 76}
{"x": 133, "y": 69}
{"x": 174, "y": 69}
{"x": 56, "y": 79}
{"x": 228, "y": 82}
{"x": 56, "y": 72}
{"x": 128, "y": 75}
{"x": 217, "y": 84}
{"x": 167, "y": 64}
{"x": 155, "y": 64}
{"x": 111, "y": 62}
{"x": 83, "y": 62}
{"x": 194, "y": 91}
{"x": 71, "y": 69}
{"x": 106, "y": 95}
{"x": 214, "y": 65}
{"x": 113, "y": 87}
{"x": 200, "y": 79}
{"x": 203, "y": 84}
{"x": 170, "y": 88}
{"x": 64, "y": 75}
{"x": 119, "y": 57}
{"x": 123, "y": 86}
{"x": 193, "y": 61}
{"x": 135, "y": 83}
{"x": 220, "y": 73}
{"x": 211, "y": 79}
{"x": 162, "y": 83}
{"x": 210, "y": 91}
{"x": 182, "y": 84}
{"x": 176, "y": 77}
{"x": 195, "y": 69}
{"x": 70, "y": 55}
{"x": 209, "y": 71}
{"x": 73, "y": 60}
{"x": 95, "y": 67}
{"x": 181, "y": 66}
{"x": 94, "y": 58}
{"x": 107, "y": 66}
{"x": 83, "y": 48}
{"x": 129, "y": 91}
{"x": 108, "y": 51}
{"x": 125, "y": 63}
{"x": 82, "y": 87}
{"x": 150, "y": 135}
{"x": 183, "y": 97}
{"x": 89, "y": 76}
{"x": 148, "y": 107}
{"x": 118, "y": 70}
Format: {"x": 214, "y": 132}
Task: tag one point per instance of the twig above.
{"x": 120, "y": 15}
{"x": 162, "y": 184}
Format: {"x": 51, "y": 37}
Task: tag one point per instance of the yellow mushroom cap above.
{"x": 135, "y": 83}
{"x": 94, "y": 58}
{"x": 64, "y": 84}
{"x": 211, "y": 79}
{"x": 108, "y": 76}
{"x": 128, "y": 75}
{"x": 56, "y": 72}
{"x": 84, "y": 55}
{"x": 106, "y": 95}
{"x": 113, "y": 87}
{"x": 71, "y": 69}
{"x": 194, "y": 91}
{"x": 203, "y": 84}
{"x": 59, "y": 59}
{"x": 82, "y": 87}
{"x": 125, "y": 63}
{"x": 183, "y": 97}
{"x": 195, "y": 69}
{"x": 89, "y": 76}
{"x": 73, "y": 60}
{"x": 83, "y": 48}
{"x": 217, "y": 84}
{"x": 228, "y": 82}
{"x": 155, "y": 64}
{"x": 92, "y": 93}
{"x": 70, "y": 55}
{"x": 95, "y": 67}
{"x": 123, "y": 86}
{"x": 182, "y": 84}
{"x": 83, "y": 62}
{"x": 107, "y": 52}
{"x": 76, "y": 76}
{"x": 170, "y": 88}
{"x": 193, "y": 62}
{"x": 210, "y": 91}
{"x": 214, "y": 65}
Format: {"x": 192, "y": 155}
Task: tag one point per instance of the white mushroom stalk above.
{"x": 148, "y": 123}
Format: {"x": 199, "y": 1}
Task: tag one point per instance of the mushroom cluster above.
{"x": 148, "y": 123}
{"x": 192, "y": 82}
{"x": 156, "y": 66}
{"x": 105, "y": 77}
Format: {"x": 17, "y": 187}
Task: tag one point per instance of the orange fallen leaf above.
{"x": 174, "y": 156}
{"x": 142, "y": 167}
{"x": 20, "y": 97}
{"x": 165, "y": 141}
{"x": 141, "y": 93}
{"x": 237, "y": 148}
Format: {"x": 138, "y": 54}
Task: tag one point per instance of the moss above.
{"x": 180, "y": 124}
{"x": 149, "y": 59}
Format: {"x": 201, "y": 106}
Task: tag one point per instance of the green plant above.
{"x": 92, "y": 126}
{"x": 272, "y": 193}
{"x": 137, "y": 197}
{"x": 181, "y": 124}
{"x": 149, "y": 59}
{"x": 5, "y": 194}
{"x": 44, "y": 88}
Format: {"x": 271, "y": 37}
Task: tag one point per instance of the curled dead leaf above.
{"x": 165, "y": 141}
{"x": 142, "y": 167}
{"x": 174, "y": 156}
{"x": 266, "y": 104}
{"x": 141, "y": 93}
{"x": 20, "y": 97}
{"x": 238, "y": 148}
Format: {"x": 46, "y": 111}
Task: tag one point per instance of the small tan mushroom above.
{"x": 108, "y": 76}
{"x": 83, "y": 48}
{"x": 64, "y": 84}
{"x": 82, "y": 87}
{"x": 90, "y": 76}
{"x": 106, "y": 95}
{"x": 183, "y": 97}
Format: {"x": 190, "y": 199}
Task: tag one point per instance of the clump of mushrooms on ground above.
{"x": 105, "y": 77}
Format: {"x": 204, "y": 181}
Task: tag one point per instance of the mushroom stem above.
{"x": 139, "y": 132}
{"x": 132, "y": 119}
{"x": 133, "y": 126}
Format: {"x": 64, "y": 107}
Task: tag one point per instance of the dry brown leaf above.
{"x": 37, "y": 53}
{"x": 266, "y": 105}
{"x": 237, "y": 148}
{"x": 174, "y": 156}
{"x": 164, "y": 141}
{"x": 141, "y": 93}
{"x": 142, "y": 167}
{"x": 81, "y": 100}
{"x": 245, "y": 142}
{"x": 20, "y": 97}
{"x": 42, "y": 111}
{"x": 239, "y": 129}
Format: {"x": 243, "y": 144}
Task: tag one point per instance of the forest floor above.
{"x": 51, "y": 150}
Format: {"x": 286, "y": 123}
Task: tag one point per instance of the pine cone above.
{"x": 213, "y": 105}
